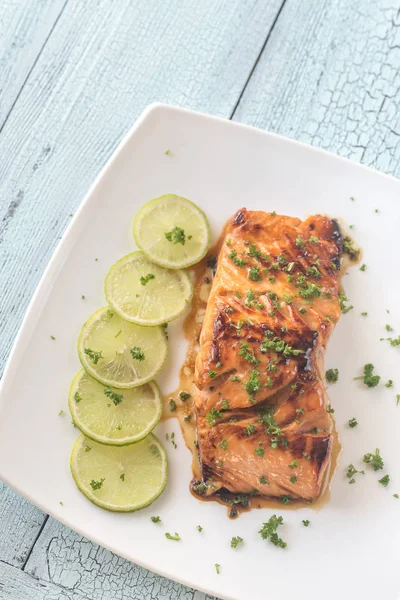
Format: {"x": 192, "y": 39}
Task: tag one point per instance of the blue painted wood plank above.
{"x": 24, "y": 29}
{"x": 72, "y": 562}
{"x": 17, "y": 585}
{"x": 20, "y": 524}
{"x": 330, "y": 76}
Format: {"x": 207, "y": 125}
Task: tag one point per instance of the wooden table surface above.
{"x": 74, "y": 76}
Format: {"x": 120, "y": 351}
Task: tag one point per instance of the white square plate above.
{"x": 350, "y": 550}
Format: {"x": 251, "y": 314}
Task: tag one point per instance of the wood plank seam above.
{"x": 36, "y": 538}
{"x": 33, "y": 66}
{"x": 263, "y": 47}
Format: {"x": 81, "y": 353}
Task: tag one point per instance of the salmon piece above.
{"x": 262, "y": 412}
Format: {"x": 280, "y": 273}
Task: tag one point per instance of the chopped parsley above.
{"x": 259, "y": 451}
{"x": 342, "y": 301}
{"x": 329, "y": 409}
{"x": 235, "y": 541}
{"x": 389, "y": 383}
{"x": 213, "y": 415}
{"x": 96, "y": 485}
{"x": 212, "y": 374}
{"x": 253, "y": 384}
{"x": 52, "y": 337}
{"x": 394, "y": 341}
{"x": 349, "y": 249}
{"x": 293, "y": 464}
{"x": 305, "y": 522}
{"x": 313, "y": 272}
{"x": 249, "y": 298}
{"x": 176, "y": 236}
{"x": 237, "y": 261}
{"x": 375, "y": 460}
{"x": 218, "y": 568}
{"x": 145, "y": 280}
{"x": 351, "y": 471}
{"x": 248, "y": 354}
{"x": 364, "y": 314}
{"x": 332, "y": 375}
{"x": 122, "y": 477}
{"x": 175, "y": 537}
{"x": 288, "y": 298}
{"x": 369, "y": 379}
{"x": 137, "y": 353}
{"x": 293, "y": 479}
{"x": 363, "y": 267}
{"x": 77, "y": 397}
{"x": 199, "y": 528}
{"x": 299, "y": 242}
{"x": 94, "y": 356}
{"x": 384, "y": 481}
{"x": 286, "y": 499}
{"x": 263, "y": 480}
{"x": 172, "y": 405}
{"x": 156, "y": 519}
{"x": 225, "y": 404}
{"x": 184, "y": 396}
{"x": 353, "y": 422}
{"x": 269, "y": 531}
{"x": 116, "y": 398}
{"x": 223, "y": 444}
{"x": 279, "y": 346}
{"x": 310, "y": 290}
{"x": 313, "y": 240}
{"x": 254, "y": 274}
{"x": 253, "y": 252}
{"x": 250, "y": 429}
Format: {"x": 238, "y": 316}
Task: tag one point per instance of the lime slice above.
{"x": 145, "y": 293}
{"x": 110, "y": 416}
{"x": 120, "y": 478}
{"x": 119, "y": 353}
{"x": 172, "y": 231}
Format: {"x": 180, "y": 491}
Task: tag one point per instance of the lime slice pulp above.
{"x": 122, "y": 479}
{"x": 172, "y": 231}
{"x": 145, "y": 293}
{"x": 119, "y": 353}
{"x": 113, "y": 416}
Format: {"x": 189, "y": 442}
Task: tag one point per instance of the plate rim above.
{"x": 54, "y": 262}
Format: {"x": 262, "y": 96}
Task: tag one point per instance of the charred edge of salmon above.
{"x": 337, "y": 238}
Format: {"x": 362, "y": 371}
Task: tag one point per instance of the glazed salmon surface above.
{"x": 262, "y": 413}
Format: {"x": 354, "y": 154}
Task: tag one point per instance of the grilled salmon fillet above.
{"x": 262, "y": 414}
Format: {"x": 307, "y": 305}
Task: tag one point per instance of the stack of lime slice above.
{"x": 118, "y": 463}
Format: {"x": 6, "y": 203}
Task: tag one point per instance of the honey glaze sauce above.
{"x": 179, "y": 403}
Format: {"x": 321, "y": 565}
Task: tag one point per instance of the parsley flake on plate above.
{"x": 269, "y": 531}
{"x": 368, "y": 378}
{"x": 175, "y": 537}
{"x": 235, "y": 541}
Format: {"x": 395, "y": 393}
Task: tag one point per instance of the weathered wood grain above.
{"x": 330, "y": 76}
{"x": 24, "y": 29}
{"x": 17, "y": 585}
{"x": 72, "y": 562}
{"x": 20, "y": 524}
{"x": 98, "y": 71}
